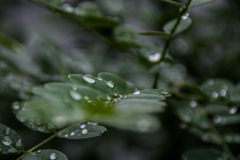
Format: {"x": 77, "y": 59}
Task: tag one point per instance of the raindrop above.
{"x": 88, "y": 79}
{"x": 193, "y": 103}
{"x": 12, "y": 150}
{"x": 217, "y": 119}
{"x": 125, "y": 96}
{"x": 165, "y": 92}
{"x": 154, "y": 57}
{"x": 232, "y": 110}
{"x": 69, "y": 76}
{"x": 16, "y": 106}
{"x": 100, "y": 79}
{"x": 89, "y": 101}
{"x": 110, "y": 84}
{"x": 137, "y": 92}
{"x": 115, "y": 94}
{"x": 72, "y": 133}
{"x": 67, "y": 8}
{"x": 185, "y": 16}
{"x": 210, "y": 82}
{"x": 53, "y": 156}
{"x": 91, "y": 123}
{"x": 84, "y": 131}
{"x": 86, "y": 97}
{"x": 75, "y": 95}
{"x": 225, "y": 87}
{"x": 115, "y": 100}
{"x": 83, "y": 126}
{"x": 7, "y": 131}
{"x": 215, "y": 95}
{"x": 108, "y": 97}
{"x": 66, "y": 135}
{"x": 19, "y": 144}
{"x": 74, "y": 88}
{"x": 39, "y": 151}
{"x": 223, "y": 92}
{"x": 7, "y": 141}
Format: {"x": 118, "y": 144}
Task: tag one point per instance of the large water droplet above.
{"x": 84, "y": 131}
{"x": 232, "y": 110}
{"x": 88, "y": 79}
{"x": 66, "y": 135}
{"x": 67, "y": 8}
{"x": 72, "y": 133}
{"x": 137, "y": 92}
{"x": 210, "y": 82}
{"x": 193, "y": 103}
{"x": 7, "y": 141}
{"x": 7, "y": 131}
{"x": 53, "y": 156}
{"x": 83, "y": 126}
{"x": 217, "y": 119}
{"x": 75, "y": 95}
{"x": 110, "y": 84}
{"x": 108, "y": 97}
{"x": 154, "y": 57}
{"x": 185, "y": 16}
{"x": 223, "y": 92}
{"x": 19, "y": 144}
{"x": 215, "y": 95}
{"x": 100, "y": 79}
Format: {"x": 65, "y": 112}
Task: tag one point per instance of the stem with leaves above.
{"x": 166, "y": 46}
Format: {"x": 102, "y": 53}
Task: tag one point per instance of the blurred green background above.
{"x": 39, "y": 46}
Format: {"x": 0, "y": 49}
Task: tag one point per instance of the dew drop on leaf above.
{"x": 137, "y": 92}
{"x": 84, "y": 131}
{"x": 223, "y": 92}
{"x": 75, "y": 95}
{"x": 53, "y": 156}
{"x": 72, "y": 133}
{"x": 193, "y": 103}
{"x": 232, "y": 110}
{"x": 154, "y": 57}
{"x": 210, "y": 82}
{"x": 108, "y": 97}
{"x": 67, "y": 8}
{"x": 185, "y": 16}
{"x": 7, "y": 141}
{"x": 39, "y": 151}
{"x": 15, "y": 106}
{"x": 19, "y": 144}
{"x": 100, "y": 79}
{"x": 7, "y": 131}
{"x": 110, "y": 84}
{"x": 217, "y": 119}
{"x": 215, "y": 95}
{"x": 12, "y": 150}
{"x": 83, "y": 126}
{"x": 88, "y": 79}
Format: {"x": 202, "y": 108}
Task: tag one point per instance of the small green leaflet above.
{"x": 183, "y": 25}
{"x": 11, "y": 142}
{"x": 46, "y": 154}
{"x": 196, "y": 3}
{"x": 83, "y": 131}
{"x": 154, "y": 33}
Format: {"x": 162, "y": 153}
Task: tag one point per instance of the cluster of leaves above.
{"x": 205, "y": 111}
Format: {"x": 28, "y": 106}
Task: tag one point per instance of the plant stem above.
{"x": 166, "y": 46}
{"x": 48, "y": 139}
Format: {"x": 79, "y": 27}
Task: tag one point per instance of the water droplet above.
{"x": 165, "y": 92}
{"x": 215, "y": 95}
{"x": 100, "y": 79}
{"x": 66, "y": 135}
{"x": 223, "y": 92}
{"x": 185, "y": 16}
{"x": 110, "y": 84}
{"x": 121, "y": 96}
{"x": 86, "y": 97}
{"x": 40, "y": 129}
{"x": 67, "y": 8}
{"x": 225, "y": 87}
{"x": 115, "y": 100}
{"x": 228, "y": 139}
{"x": 193, "y": 103}
{"x": 103, "y": 131}
{"x": 137, "y": 92}
{"x": 16, "y": 106}
{"x": 69, "y": 76}
{"x": 84, "y": 131}
{"x": 217, "y": 119}
{"x": 108, "y": 97}
{"x": 7, "y": 141}
{"x": 232, "y": 110}
{"x": 115, "y": 94}
{"x": 19, "y": 144}
{"x": 83, "y": 126}
{"x": 89, "y": 101}
{"x": 53, "y": 156}
{"x": 154, "y": 57}
{"x": 7, "y": 131}
{"x": 88, "y": 79}
{"x": 75, "y": 95}
{"x": 210, "y": 82}
{"x": 92, "y": 123}
{"x": 125, "y": 96}
{"x": 72, "y": 133}
{"x": 12, "y": 150}
{"x": 39, "y": 151}
{"x": 50, "y": 126}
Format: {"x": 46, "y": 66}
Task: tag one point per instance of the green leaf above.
{"x": 213, "y": 109}
{"x": 226, "y": 119}
{"x": 139, "y": 106}
{"x": 105, "y": 22}
{"x": 83, "y": 131}
{"x": 196, "y": 3}
{"x": 125, "y": 36}
{"x": 235, "y": 94}
{"x": 119, "y": 83}
{"x": 174, "y": 3}
{"x": 46, "y": 154}
{"x": 206, "y": 154}
{"x": 11, "y": 142}
{"x": 155, "y": 33}
{"x": 183, "y": 25}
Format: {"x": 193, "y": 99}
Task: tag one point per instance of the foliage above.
{"x": 192, "y": 97}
